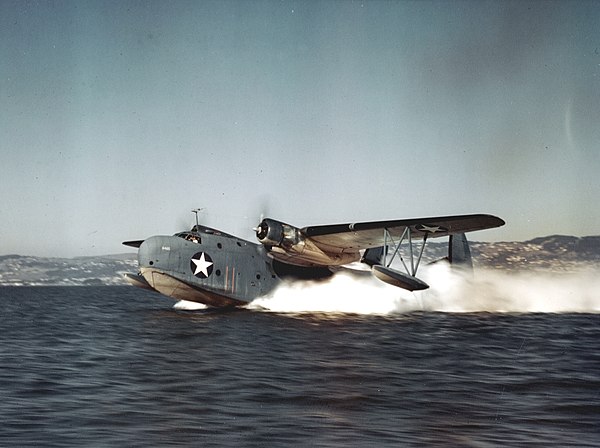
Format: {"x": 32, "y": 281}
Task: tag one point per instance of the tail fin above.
{"x": 459, "y": 253}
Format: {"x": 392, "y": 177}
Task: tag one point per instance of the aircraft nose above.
{"x": 156, "y": 265}
{"x": 155, "y": 252}
{"x": 148, "y": 253}
{"x": 144, "y": 254}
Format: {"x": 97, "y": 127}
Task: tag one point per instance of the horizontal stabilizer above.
{"x": 399, "y": 279}
{"x": 136, "y": 243}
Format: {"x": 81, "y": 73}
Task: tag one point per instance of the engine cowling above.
{"x": 277, "y": 234}
{"x": 288, "y": 244}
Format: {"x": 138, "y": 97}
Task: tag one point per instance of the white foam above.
{"x": 343, "y": 293}
{"x": 189, "y": 306}
{"x": 450, "y": 291}
{"x": 507, "y": 291}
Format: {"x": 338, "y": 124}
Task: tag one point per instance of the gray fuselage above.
{"x": 212, "y": 267}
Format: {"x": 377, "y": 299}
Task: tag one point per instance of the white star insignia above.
{"x": 430, "y": 229}
{"x": 202, "y": 265}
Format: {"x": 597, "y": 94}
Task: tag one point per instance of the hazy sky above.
{"x": 118, "y": 118}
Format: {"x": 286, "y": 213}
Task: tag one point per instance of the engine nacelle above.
{"x": 288, "y": 244}
{"x": 277, "y": 234}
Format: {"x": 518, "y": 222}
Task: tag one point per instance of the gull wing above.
{"x": 363, "y": 235}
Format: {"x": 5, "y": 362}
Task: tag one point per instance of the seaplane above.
{"x": 214, "y": 268}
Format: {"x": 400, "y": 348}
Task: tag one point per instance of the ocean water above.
{"x": 119, "y": 366}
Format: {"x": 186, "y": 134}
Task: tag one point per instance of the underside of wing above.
{"x": 364, "y": 235}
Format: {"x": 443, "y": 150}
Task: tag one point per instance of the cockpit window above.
{"x": 194, "y": 238}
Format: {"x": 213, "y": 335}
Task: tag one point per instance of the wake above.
{"x": 186, "y": 305}
{"x": 483, "y": 291}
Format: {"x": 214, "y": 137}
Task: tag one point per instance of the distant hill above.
{"x": 556, "y": 253}
{"x": 19, "y": 270}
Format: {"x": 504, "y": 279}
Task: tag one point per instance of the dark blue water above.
{"x": 117, "y": 366}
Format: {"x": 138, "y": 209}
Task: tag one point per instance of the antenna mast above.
{"x": 195, "y": 212}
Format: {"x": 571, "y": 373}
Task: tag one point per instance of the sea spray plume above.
{"x": 452, "y": 290}
{"x": 511, "y": 291}
{"x": 343, "y": 293}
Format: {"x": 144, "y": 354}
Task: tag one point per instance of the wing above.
{"x": 364, "y": 235}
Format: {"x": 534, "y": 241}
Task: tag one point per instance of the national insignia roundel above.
{"x": 430, "y": 229}
{"x": 201, "y": 265}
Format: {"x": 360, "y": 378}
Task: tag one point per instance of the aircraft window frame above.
{"x": 191, "y": 237}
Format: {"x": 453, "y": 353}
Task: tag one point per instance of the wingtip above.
{"x": 499, "y": 221}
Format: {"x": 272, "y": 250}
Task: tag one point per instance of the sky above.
{"x": 118, "y": 118}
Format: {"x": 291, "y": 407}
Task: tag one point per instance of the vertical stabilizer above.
{"x": 459, "y": 253}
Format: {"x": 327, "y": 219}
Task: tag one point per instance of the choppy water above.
{"x": 118, "y": 366}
